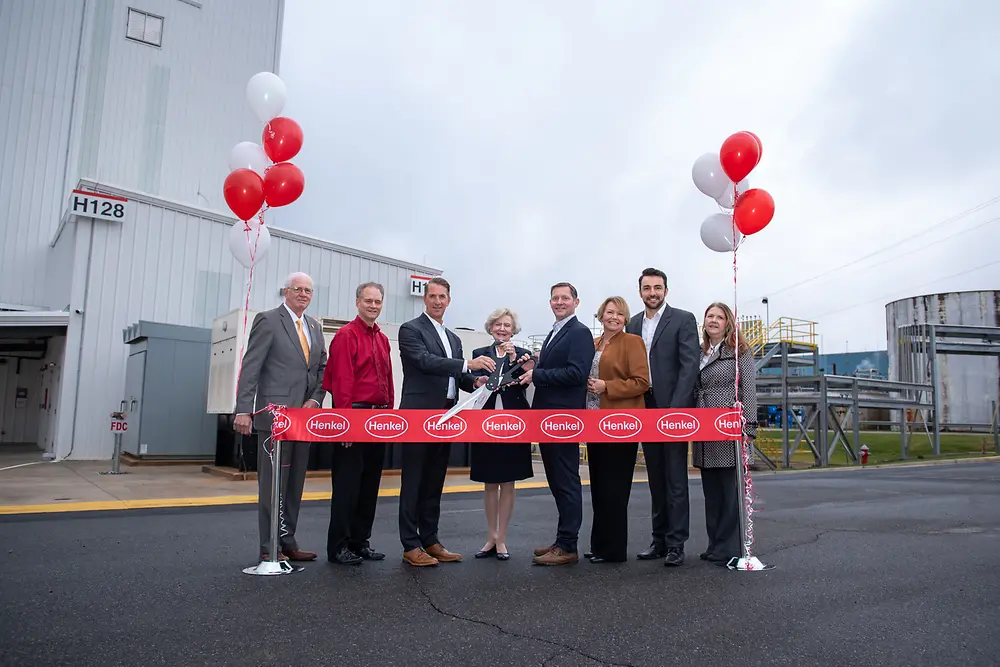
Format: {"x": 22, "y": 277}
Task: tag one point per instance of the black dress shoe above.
{"x": 368, "y": 553}
{"x": 652, "y": 553}
{"x": 675, "y": 556}
{"x": 345, "y": 557}
{"x": 588, "y": 555}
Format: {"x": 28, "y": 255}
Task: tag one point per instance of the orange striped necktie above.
{"x": 302, "y": 340}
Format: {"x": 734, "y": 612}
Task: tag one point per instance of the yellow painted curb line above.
{"x": 153, "y": 503}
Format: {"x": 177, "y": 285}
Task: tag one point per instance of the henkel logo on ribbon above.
{"x": 678, "y": 425}
{"x": 452, "y": 428}
{"x": 620, "y": 425}
{"x": 280, "y": 424}
{"x": 327, "y": 425}
{"x": 504, "y": 426}
{"x": 562, "y": 426}
{"x": 385, "y": 425}
{"x": 730, "y": 424}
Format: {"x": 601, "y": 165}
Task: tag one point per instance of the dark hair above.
{"x": 362, "y": 286}
{"x": 652, "y": 272}
{"x": 438, "y": 280}
{"x": 572, "y": 290}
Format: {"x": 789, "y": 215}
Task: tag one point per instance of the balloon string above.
{"x": 252, "y": 249}
{"x": 747, "y": 491}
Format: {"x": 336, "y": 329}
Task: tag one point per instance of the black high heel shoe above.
{"x": 501, "y": 556}
{"x": 486, "y": 554}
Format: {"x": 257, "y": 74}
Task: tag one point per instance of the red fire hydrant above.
{"x": 864, "y": 454}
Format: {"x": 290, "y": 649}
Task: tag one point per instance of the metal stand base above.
{"x": 751, "y": 564}
{"x": 269, "y": 568}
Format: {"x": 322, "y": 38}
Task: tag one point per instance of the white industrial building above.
{"x": 102, "y": 96}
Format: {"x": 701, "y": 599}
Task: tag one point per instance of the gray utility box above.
{"x": 166, "y": 388}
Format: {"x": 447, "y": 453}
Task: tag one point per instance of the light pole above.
{"x": 767, "y": 311}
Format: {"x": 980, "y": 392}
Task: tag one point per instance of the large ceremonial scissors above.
{"x": 497, "y": 380}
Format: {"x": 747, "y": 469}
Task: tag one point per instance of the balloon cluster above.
{"x": 723, "y": 177}
{"x": 261, "y": 175}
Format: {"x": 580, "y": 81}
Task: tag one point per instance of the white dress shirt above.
{"x": 649, "y": 325}
{"x": 305, "y": 325}
{"x": 443, "y": 335}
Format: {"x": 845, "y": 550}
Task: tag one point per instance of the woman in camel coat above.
{"x": 618, "y": 380}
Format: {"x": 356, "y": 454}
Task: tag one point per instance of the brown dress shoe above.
{"x": 541, "y": 551}
{"x": 298, "y": 554}
{"x": 557, "y": 557}
{"x": 419, "y": 558}
{"x": 438, "y": 551}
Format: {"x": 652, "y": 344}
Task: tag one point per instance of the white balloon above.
{"x": 717, "y": 233}
{"x": 266, "y": 94}
{"x": 249, "y": 246}
{"x": 248, "y": 155}
{"x": 727, "y": 200}
{"x": 708, "y": 175}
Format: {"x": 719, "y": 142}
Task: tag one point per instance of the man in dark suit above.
{"x": 560, "y": 379}
{"x": 671, "y": 337}
{"x": 283, "y": 364}
{"x": 433, "y": 372}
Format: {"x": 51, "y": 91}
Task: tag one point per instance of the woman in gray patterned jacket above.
{"x": 716, "y": 388}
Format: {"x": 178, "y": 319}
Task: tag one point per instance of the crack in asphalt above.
{"x": 563, "y": 648}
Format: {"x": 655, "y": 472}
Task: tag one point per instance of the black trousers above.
{"x": 355, "y": 476}
{"x": 612, "y": 465}
{"x": 562, "y": 472}
{"x": 722, "y": 511}
{"x": 667, "y": 470}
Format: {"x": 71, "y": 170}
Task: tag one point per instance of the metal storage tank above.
{"x": 968, "y": 384}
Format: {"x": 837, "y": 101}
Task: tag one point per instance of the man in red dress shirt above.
{"x": 358, "y": 375}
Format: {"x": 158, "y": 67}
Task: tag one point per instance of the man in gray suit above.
{"x": 283, "y": 364}
{"x": 671, "y": 337}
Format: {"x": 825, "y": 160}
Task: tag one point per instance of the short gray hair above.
{"x": 362, "y": 286}
{"x": 503, "y": 312}
{"x": 295, "y": 276}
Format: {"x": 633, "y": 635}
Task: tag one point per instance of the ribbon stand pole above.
{"x": 746, "y": 562}
{"x": 274, "y": 566}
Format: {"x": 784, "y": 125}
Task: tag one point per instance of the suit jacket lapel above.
{"x": 453, "y": 342}
{"x": 286, "y": 320}
{"x": 668, "y": 312}
{"x": 562, "y": 331}
{"x": 431, "y": 331}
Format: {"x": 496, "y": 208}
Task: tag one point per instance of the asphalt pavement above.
{"x": 890, "y": 566}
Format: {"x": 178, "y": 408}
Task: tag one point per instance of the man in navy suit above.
{"x": 560, "y": 379}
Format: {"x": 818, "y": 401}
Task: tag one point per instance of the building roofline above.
{"x": 206, "y": 214}
{"x": 935, "y": 294}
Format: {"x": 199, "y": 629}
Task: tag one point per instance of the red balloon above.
{"x": 740, "y": 153}
{"x": 244, "y": 192}
{"x": 283, "y": 183}
{"x": 282, "y": 139}
{"x": 753, "y": 211}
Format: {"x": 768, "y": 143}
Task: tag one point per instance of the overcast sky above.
{"x": 517, "y": 144}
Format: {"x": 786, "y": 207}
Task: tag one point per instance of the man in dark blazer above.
{"x": 671, "y": 337}
{"x": 433, "y": 372}
{"x": 560, "y": 379}
{"x": 283, "y": 364}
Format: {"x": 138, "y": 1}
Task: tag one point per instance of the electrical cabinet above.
{"x": 165, "y": 392}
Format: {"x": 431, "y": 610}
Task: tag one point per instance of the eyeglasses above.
{"x": 300, "y": 290}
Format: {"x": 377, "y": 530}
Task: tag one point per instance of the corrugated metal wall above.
{"x": 39, "y": 41}
{"x": 175, "y": 266}
{"x": 142, "y": 117}
{"x": 968, "y": 384}
{"x": 157, "y": 115}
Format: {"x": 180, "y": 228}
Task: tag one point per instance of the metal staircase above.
{"x": 787, "y": 342}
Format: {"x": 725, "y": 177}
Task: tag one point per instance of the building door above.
{"x": 48, "y": 406}
{"x": 135, "y": 376}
